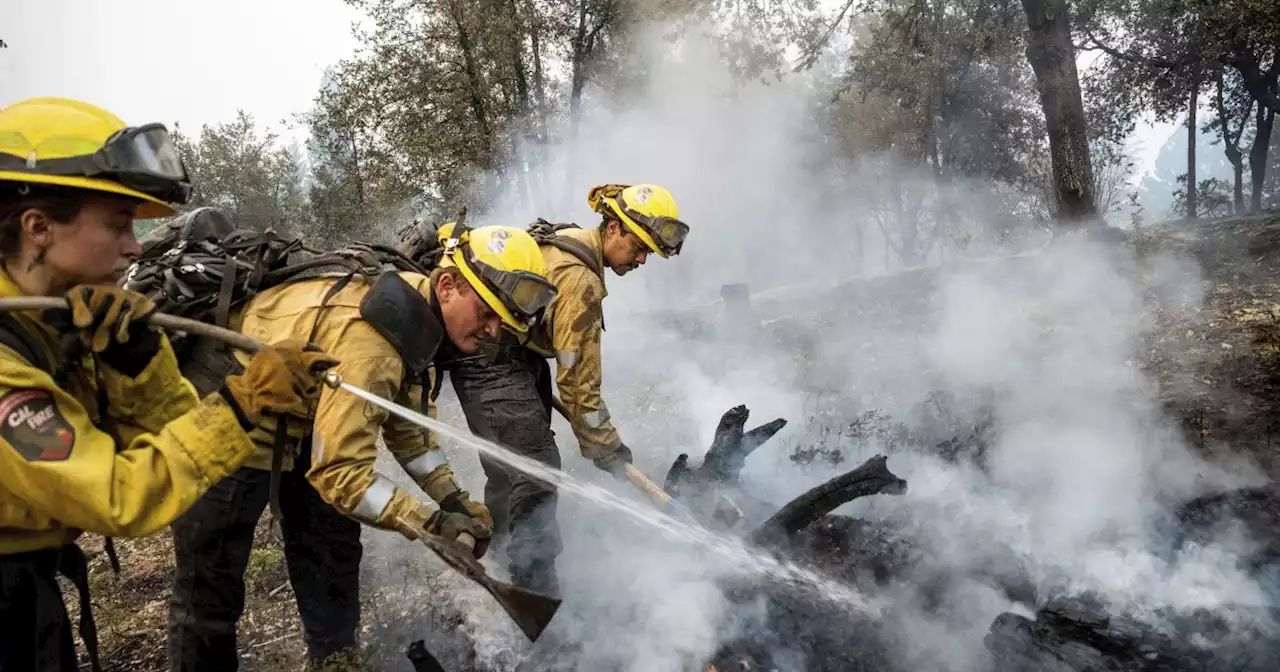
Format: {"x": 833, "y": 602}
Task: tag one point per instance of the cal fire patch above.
{"x": 31, "y": 423}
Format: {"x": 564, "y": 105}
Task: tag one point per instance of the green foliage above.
{"x": 266, "y": 568}
{"x": 259, "y": 183}
{"x": 1213, "y": 198}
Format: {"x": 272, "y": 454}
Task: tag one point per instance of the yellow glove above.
{"x": 107, "y": 314}
{"x": 285, "y": 378}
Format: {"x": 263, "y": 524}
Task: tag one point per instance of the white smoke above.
{"x": 1082, "y": 462}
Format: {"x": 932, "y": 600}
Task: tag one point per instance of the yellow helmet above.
{"x": 505, "y": 267}
{"x": 647, "y": 209}
{"x": 69, "y": 143}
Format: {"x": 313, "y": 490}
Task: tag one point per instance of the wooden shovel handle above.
{"x": 650, "y": 489}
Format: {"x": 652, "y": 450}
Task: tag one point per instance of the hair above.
{"x": 59, "y": 204}
{"x": 459, "y": 280}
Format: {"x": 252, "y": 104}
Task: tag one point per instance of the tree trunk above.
{"x": 538, "y": 124}
{"x": 578, "y": 76}
{"x": 1053, "y": 58}
{"x": 1231, "y": 145}
{"x": 355, "y": 166}
{"x": 516, "y": 37}
{"x": 1238, "y": 195}
{"x": 474, "y": 83}
{"x": 1266, "y": 118}
{"x": 1262, "y": 84}
{"x": 1193, "y": 100}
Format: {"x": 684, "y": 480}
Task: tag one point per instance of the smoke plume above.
{"x": 1039, "y": 340}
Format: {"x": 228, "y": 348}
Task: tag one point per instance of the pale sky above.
{"x": 196, "y": 61}
{"x": 187, "y": 61}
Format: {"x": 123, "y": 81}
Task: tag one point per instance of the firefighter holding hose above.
{"x": 386, "y": 331}
{"x": 99, "y": 432}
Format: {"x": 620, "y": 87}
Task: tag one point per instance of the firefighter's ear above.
{"x": 37, "y": 226}
{"x": 446, "y": 288}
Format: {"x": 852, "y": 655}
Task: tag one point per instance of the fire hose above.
{"x": 530, "y": 610}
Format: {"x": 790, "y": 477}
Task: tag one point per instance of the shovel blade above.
{"x": 530, "y": 610}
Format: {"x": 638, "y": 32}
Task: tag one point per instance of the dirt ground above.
{"x": 1218, "y": 372}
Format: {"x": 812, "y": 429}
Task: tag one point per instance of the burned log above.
{"x": 712, "y": 491}
{"x": 872, "y": 477}
{"x": 860, "y": 553}
{"x": 1251, "y": 513}
{"x": 1078, "y": 634}
{"x": 724, "y": 459}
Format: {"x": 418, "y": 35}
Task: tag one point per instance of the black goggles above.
{"x": 527, "y": 295}
{"x": 142, "y": 158}
{"x": 668, "y": 232}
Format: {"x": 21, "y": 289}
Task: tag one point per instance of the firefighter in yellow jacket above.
{"x": 99, "y": 432}
{"x": 386, "y": 333}
{"x": 507, "y": 395}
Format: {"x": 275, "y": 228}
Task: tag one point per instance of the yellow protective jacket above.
{"x": 571, "y": 333}
{"x": 344, "y": 430}
{"x": 125, "y": 467}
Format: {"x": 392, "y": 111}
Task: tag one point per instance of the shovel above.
{"x": 665, "y": 502}
{"x": 530, "y": 610}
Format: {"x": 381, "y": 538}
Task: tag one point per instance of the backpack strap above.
{"x": 403, "y": 316}
{"x": 544, "y": 233}
{"x": 20, "y": 339}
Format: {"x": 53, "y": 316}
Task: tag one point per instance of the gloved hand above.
{"x": 284, "y": 378}
{"x": 615, "y": 461}
{"x": 460, "y": 502}
{"x": 450, "y": 525}
{"x": 113, "y": 323}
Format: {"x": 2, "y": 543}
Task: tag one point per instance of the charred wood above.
{"x": 872, "y": 477}
{"x": 724, "y": 459}
{"x": 1078, "y": 634}
{"x": 1253, "y": 513}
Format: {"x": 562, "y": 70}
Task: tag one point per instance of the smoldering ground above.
{"x": 1069, "y": 471}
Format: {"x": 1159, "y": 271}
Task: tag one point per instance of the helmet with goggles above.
{"x": 69, "y": 143}
{"x": 504, "y": 266}
{"x": 648, "y": 210}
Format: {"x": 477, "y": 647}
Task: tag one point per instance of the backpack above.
{"x": 201, "y": 266}
{"x": 544, "y": 233}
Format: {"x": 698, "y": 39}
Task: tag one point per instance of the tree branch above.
{"x": 1261, "y": 86}
{"x": 810, "y": 56}
{"x": 1129, "y": 57}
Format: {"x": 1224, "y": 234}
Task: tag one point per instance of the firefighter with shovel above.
{"x": 385, "y": 328}
{"x": 99, "y": 432}
{"x": 507, "y": 391}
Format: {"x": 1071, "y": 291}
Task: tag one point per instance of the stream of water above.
{"x": 732, "y": 549}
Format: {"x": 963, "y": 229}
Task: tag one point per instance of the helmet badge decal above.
{"x": 642, "y": 195}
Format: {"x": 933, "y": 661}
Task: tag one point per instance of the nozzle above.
{"x": 332, "y": 379}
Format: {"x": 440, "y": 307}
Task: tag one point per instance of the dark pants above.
{"x": 212, "y": 543}
{"x": 506, "y": 396}
{"x": 36, "y": 633}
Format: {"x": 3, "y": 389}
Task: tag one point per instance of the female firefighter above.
{"x": 98, "y": 430}
{"x": 386, "y": 330}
